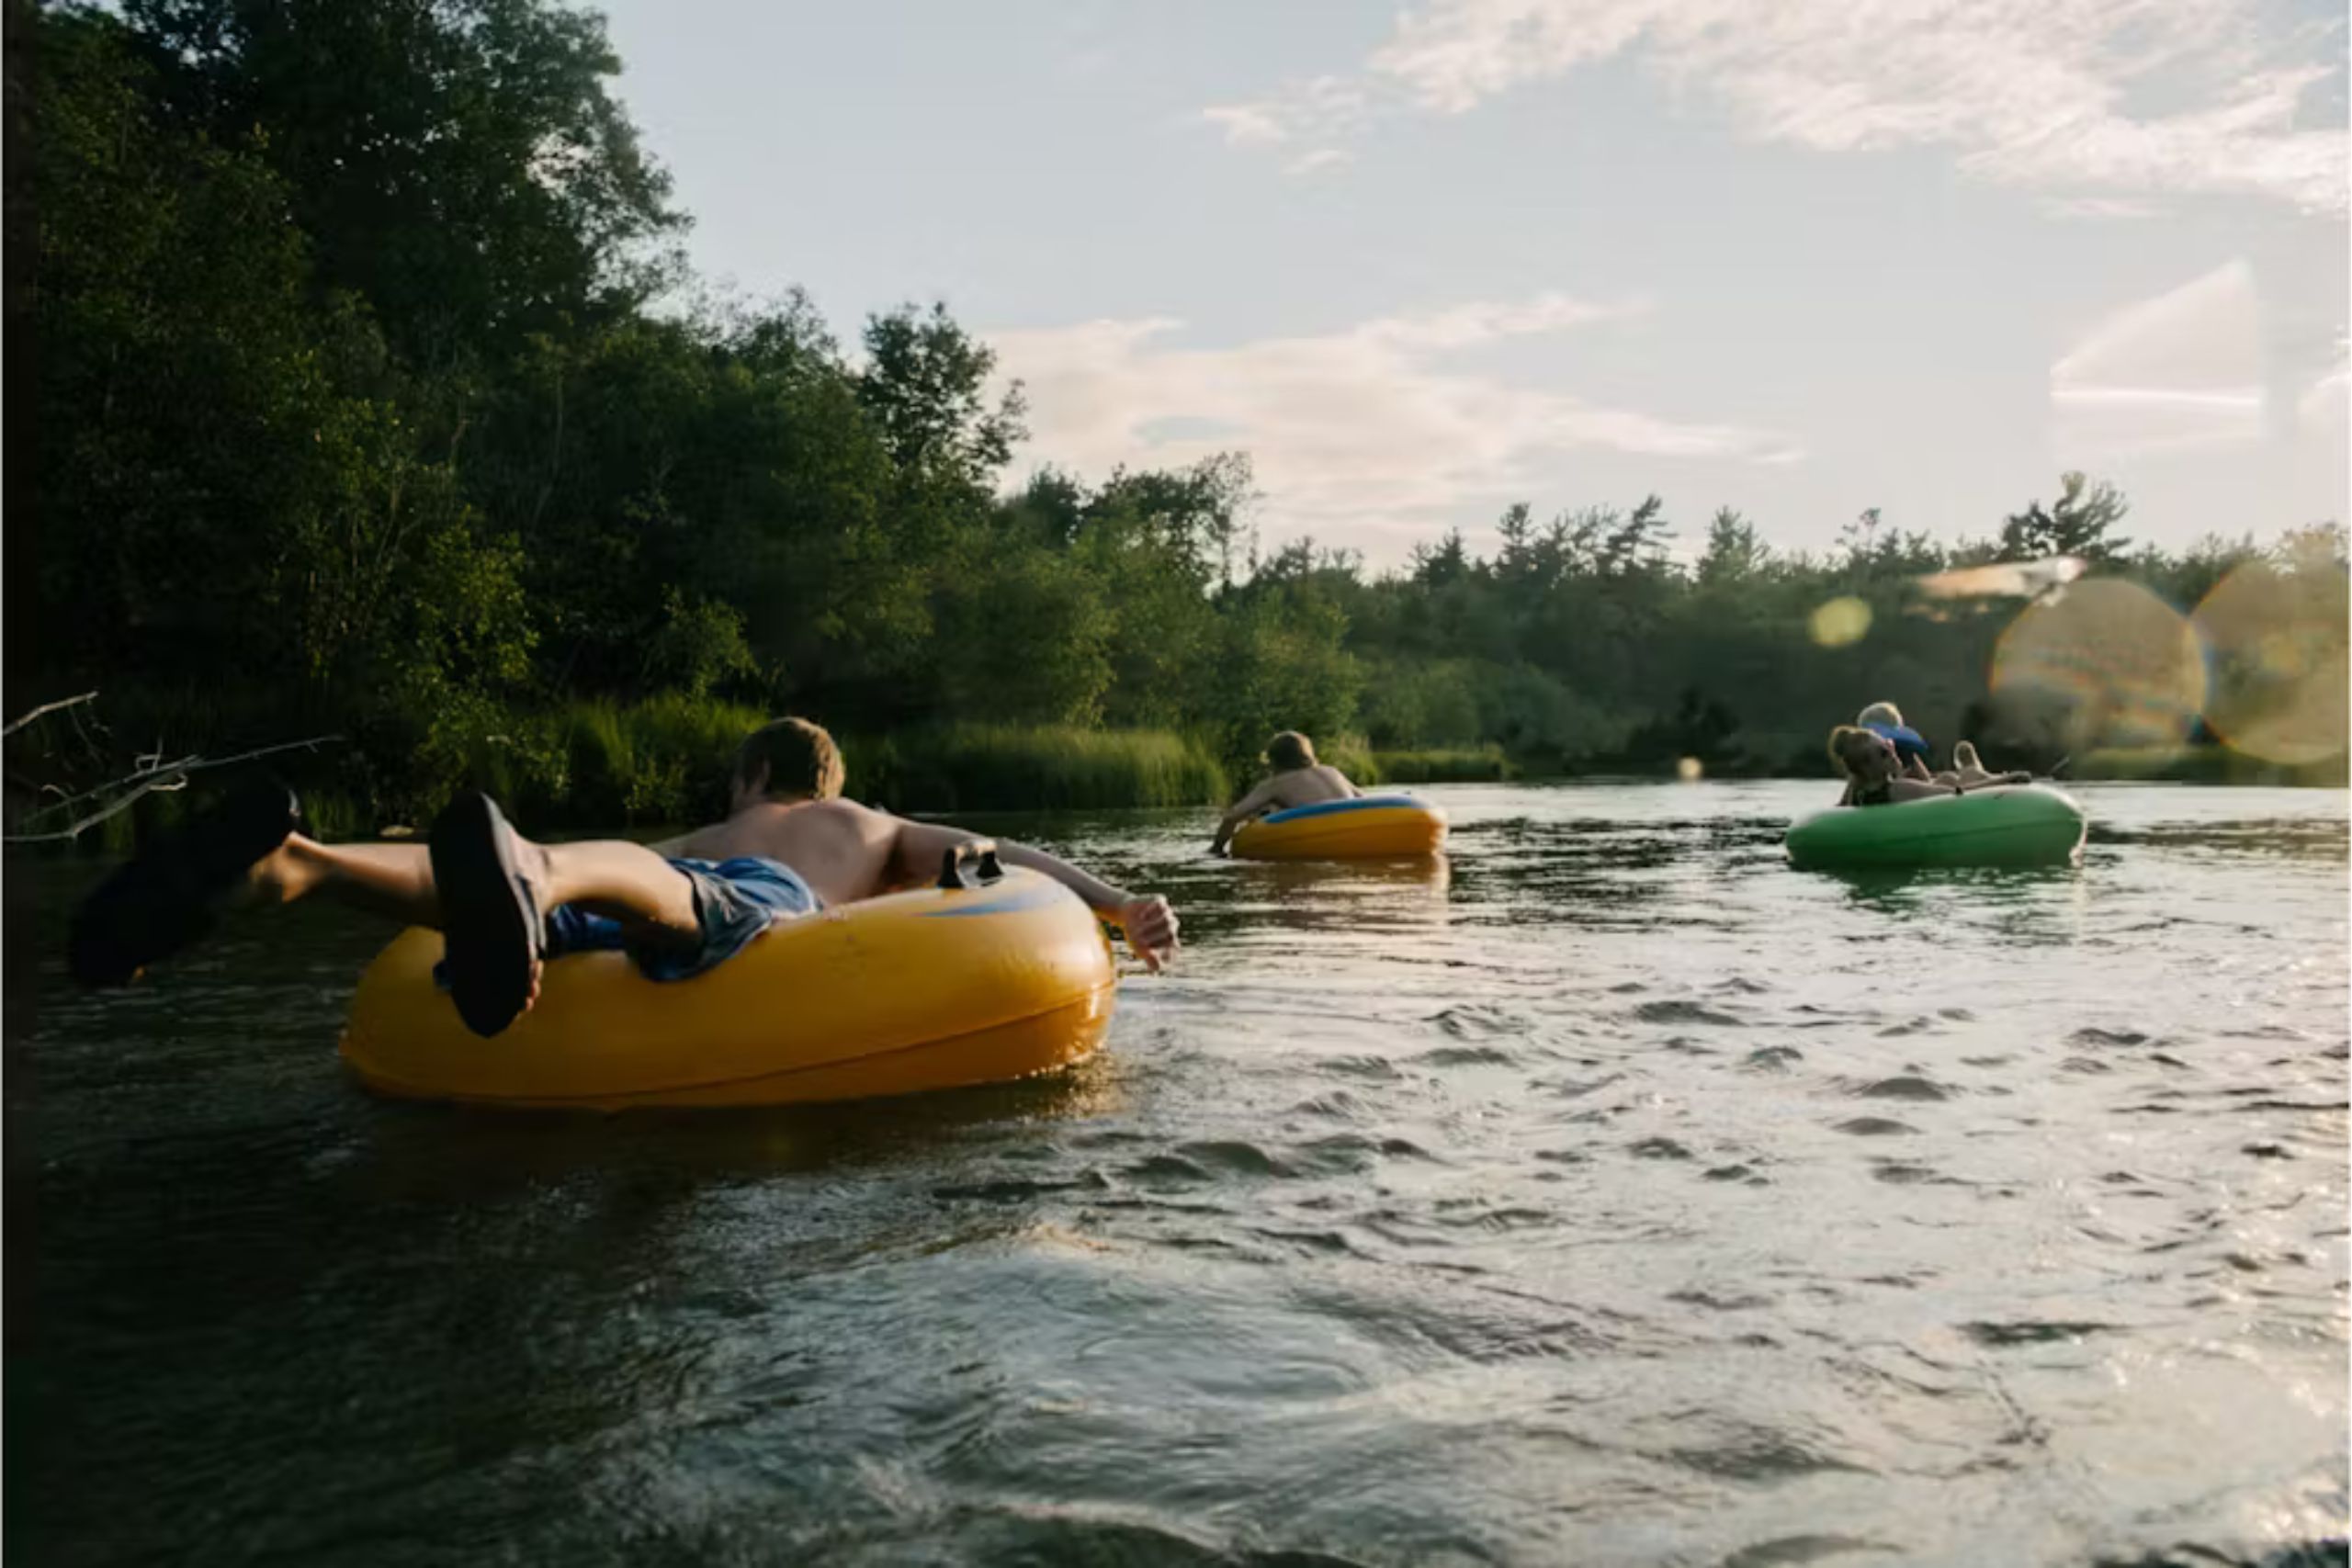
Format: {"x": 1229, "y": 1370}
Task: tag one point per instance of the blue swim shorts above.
{"x": 735, "y": 900}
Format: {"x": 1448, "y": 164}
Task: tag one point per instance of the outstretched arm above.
{"x": 1147, "y": 920}
{"x": 1241, "y": 810}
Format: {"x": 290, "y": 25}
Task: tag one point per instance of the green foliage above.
{"x": 184, "y": 389}
{"x": 1281, "y": 664}
{"x": 351, "y": 418}
{"x": 457, "y": 163}
{"x": 1024, "y": 635}
{"x": 2077, "y": 523}
{"x": 926, "y": 386}
{"x": 1194, "y": 515}
{"x": 698, "y": 644}
{"x": 1465, "y": 764}
{"x": 2208, "y": 765}
{"x": 1736, "y": 553}
{"x": 663, "y": 761}
{"x": 1439, "y": 703}
{"x": 1351, "y": 754}
{"x": 969, "y": 767}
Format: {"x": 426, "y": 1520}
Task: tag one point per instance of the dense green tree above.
{"x": 346, "y": 385}
{"x": 1281, "y": 663}
{"x": 926, "y": 386}
{"x": 1444, "y": 564}
{"x": 226, "y": 476}
{"x": 2077, "y": 523}
{"x": 1054, "y": 669}
{"x": 1199, "y": 512}
{"x": 458, "y": 163}
{"x": 1736, "y": 553}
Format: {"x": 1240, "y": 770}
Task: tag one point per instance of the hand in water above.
{"x": 1151, "y": 926}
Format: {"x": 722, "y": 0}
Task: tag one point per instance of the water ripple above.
{"x": 1607, "y": 1193}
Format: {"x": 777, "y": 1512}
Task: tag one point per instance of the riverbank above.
{"x": 2209, "y": 765}
{"x": 591, "y": 765}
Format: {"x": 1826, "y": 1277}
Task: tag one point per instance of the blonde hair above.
{"x": 1963, "y": 755}
{"x": 1843, "y": 741}
{"x": 1881, "y": 712}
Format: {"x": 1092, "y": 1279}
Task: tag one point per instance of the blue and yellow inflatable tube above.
{"x": 934, "y": 989}
{"x": 2006, "y": 824}
{"x": 1369, "y": 827}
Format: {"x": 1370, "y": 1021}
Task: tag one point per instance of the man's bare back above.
{"x": 843, "y": 850}
{"x": 846, "y": 851}
{"x": 1310, "y": 786}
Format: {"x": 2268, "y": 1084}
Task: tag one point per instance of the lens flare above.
{"x": 2002, "y": 579}
{"x": 2277, "y": 642}
{"x": 1690, "y": 770}
{"x": 2109, "y": 663}
{"x": 1840, "y": 622}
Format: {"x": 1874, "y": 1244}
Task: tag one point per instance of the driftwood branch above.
{"x": 154, "y": 777}
{"x": 15, "y": 724}
{"x": 73, "y": 829}
{"x": 171, "y": 775}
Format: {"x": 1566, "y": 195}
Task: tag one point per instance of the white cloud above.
{"x": 1247, "y": 125}
{"x": 2323, "y": 409}
{"x": 1363, "y": 436}
{"x": 2029, "y": 91}
{"x": 1316, "y": 108}
{"x": 2100, "y": 206}
{"x": 1459, "y": 326}
{"x": 1319, "y": 159}
{"x": 2180, "y": 371}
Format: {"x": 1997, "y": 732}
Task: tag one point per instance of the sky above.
{"x": 1422, "y": 262}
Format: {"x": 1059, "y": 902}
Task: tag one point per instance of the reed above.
{"x": 2206, "y": 764}
{"x": 660, "y": 761}
{"x": 1462, "y": 765}
{"x": 981, "y": 767}
{"x": 1353, "y": 756}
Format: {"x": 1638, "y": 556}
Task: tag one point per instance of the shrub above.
{"x": 1463, "y": 764}
{"x": 1045, "y": 767}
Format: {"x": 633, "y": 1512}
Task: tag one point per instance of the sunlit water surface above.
{"x": 1611, "y": 1194}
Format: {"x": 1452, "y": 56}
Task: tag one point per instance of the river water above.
{"x": 1611, "y": 1194}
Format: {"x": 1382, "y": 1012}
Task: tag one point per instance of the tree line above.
{"x": 363, "y": 399}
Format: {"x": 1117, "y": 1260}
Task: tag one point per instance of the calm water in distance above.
{"x": 1610, "y": 1193}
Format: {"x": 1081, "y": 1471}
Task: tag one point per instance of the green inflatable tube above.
{"x": 2001, "y": 824}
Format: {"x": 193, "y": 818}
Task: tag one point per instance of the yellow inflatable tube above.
{"x": 912, "y": 991}
{"x": 1369, "y": 827}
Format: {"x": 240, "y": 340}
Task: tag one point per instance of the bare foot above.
{"x": 284, "y": 875}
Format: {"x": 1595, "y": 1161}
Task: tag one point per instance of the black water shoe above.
{"x": 490, "y": 922}
{"x": 169, "y": 895}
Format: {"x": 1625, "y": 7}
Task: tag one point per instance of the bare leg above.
{"x": 385, "y": 879}
{"x": 627, "y": 881}
{"x": 494, "y": 888}
{"x": 162, "y": 900}
{"x": 615, "y": 877}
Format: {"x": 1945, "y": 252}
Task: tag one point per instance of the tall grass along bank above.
{"x": 982, "y": 767}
